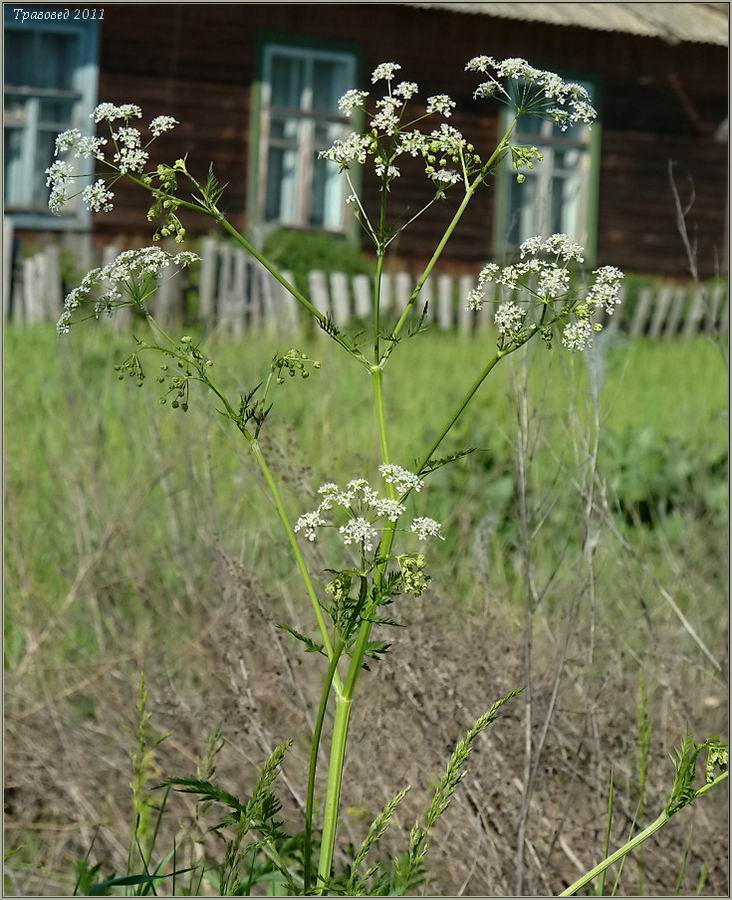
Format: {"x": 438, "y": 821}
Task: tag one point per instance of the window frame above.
{"x": 85, "y": 80}
{"x": 505, "y": 175}
{"x": 268, "y": 43}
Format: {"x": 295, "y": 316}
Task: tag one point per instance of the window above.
{"x": 300, "y": 91}
{"x": 50, "y": 85}
{"x": 558, "y": 194}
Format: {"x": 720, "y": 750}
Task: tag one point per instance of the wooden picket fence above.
{"x": 237, "y": 295}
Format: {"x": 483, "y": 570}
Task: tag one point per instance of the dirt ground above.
{"x": 67, "y": 769}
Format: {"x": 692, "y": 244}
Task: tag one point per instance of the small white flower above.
{"x": 413, "y": 142}
{"x": 353, "y": 149}
{"x": 387, "y": 509}
{"x": 578, "y": 335}
{"x": 97, "y": 198}
{"x": 488, "y": 273}
{"x": 67, "y": 140}
{"x": 308, "y": 523}
{"x": 88, "y": 147}
{"x": 161, "y": 124}
{"x": 384, "y": 72}
{"x": 350, "y": 101}
{"x": 553, "y": 281}
{"x": 406, "y": 90}
{"x": 605, "y": 292}
{"x": 447, "y": 177}
{"x": 402, "y": 479}
{"x": 476, "y": 298}
{"x": 359, "y": 530}
{"x": 441, "y": 104}
{"x": 509, "y": 318}
{"x": 109, "y": 112}
{"x": 425, "y": 528}
{"x": 58, "y": 178}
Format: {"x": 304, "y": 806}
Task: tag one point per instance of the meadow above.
{"x": 136, "y": 540}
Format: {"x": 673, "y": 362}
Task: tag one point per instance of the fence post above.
{"x": 318, "y": 291}
{"x": 713, "y": 308}
{"x": 675, "y": 311}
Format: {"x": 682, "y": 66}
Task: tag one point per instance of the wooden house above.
{"x": 255, "y": 88}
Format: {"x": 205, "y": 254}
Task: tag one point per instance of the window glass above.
{"x": 304, "y": 86}
{"x": 554, "y": 196}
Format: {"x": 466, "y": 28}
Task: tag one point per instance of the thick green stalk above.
{"x": 299, "y": 559}
{"x": 450, "y": 228}
{"x": 639, "y": 839}
{"x": 333, "y": 790}
{"x": 312, "y": 770}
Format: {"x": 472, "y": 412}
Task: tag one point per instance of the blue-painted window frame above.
{"x": 85, "y": 84}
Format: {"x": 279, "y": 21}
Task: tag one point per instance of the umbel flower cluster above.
{"x": 541, "y": 280}
{"x": 126, "y": 154}
{"x": 533, "y": 91}
{"x": 366, "y": 509}
{"x": 128, "y": 280}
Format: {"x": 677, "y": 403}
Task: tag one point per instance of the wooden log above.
{"x": 466, "y": 316}
{"x": 642, "y": 309}
{"x": 695, "y": 314}
{"x": 444, "y": 303}
{"x": 676, "y": 309}
{"x": 340, "y": 299}
{"x": 362, "y": 295}
{"x": 660, "y": 311}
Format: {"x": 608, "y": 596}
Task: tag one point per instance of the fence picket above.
{"x": 640, "y": 314}
{"x": 465, "y": 315}
{"x": 385, "y": 298}
{"x": 674, "y": 316}
{"x": 425, "y": 298}
{"x": 444, "y": 303}
{"x": 207, "y": 278}
{"x": 318, "y": 291}
{"x": 362, "y": 295}
{"x": 713, "y": 308}
{"x": 663, "y": 301}
{"x": 695, "y": 314}
{"x": 340, "y": 298}
{"x": 287, "y": 306}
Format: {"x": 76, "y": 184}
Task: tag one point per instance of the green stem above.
{"x": 377, "y": 302}
{"x": 299, "y": 559}
{"x": 312, "y": 770}
{"x": 495, "y": 156}
{"x": 639, "y": 839}
{"x": 333, "y": 790}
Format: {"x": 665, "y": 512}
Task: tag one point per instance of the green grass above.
{"x": 88, "y": 456}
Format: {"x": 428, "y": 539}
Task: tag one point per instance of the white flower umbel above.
{"x": 542, "y": 278}
{"x": 384, "y": 72}
{"x": 535, "y": 92}
{"x": 58, "y": 178}
{"x": 359, "y": 531}
{"x": 578, "y": 335}
{"x": 509, "y": 318}
{"x": 426, "y": 528}
{"x": 441, "y": 104}
{"x": 402, "y": 479}
{"x": 161, "y": 124}
{"x": 97, "y": 197}
{"x": 128, "y": 280}
{"x": 351, "y": 101}
{"x": 308, "y": 522}
{"x": 110, "y": 112}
